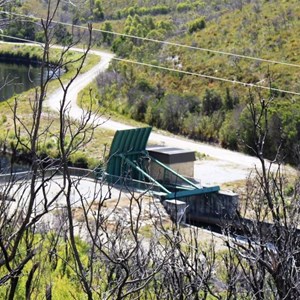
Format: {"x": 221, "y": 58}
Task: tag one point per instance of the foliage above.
{"x": 21, "y": 29}
{"x": 211, "y": 102}
{"x": 79, "y": 160}
{"x": 62, "y": 35}
{"x": 183, "y": 7}
{"x": 283, "y": 129}
{"x": 196, "y": 24}
{"x": 55, "y": 270}
{"x": 98, "y": 11}
{"x": 142, "y": 10}
{"x": 142, "y": 27}
{"x": 106, "y": 36}
{"x": 229, "y": 132}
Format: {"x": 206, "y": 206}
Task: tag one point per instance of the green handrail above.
{"x": 144, "y": 173}
{"x": 173, "y": 172}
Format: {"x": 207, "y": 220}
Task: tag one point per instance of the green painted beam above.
{"x": 195, "y": 192}
{"x": 146, "y": 175}
{"x": 174, "y": 173}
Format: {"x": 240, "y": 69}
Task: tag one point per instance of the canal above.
{"x": 17, "y": 77}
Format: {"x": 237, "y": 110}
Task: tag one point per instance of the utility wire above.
{"x": 252, "y": 85}
{"x": 20, "y": 39}
{"x": 164, "y": 42}
{"x": 245, "y": 84}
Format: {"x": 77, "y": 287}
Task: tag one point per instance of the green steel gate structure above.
{"x": 129, "y": 159}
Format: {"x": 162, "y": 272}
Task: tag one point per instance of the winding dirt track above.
{"x": 223, "y": 165}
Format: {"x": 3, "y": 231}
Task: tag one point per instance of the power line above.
{"x": 165, "y": 42}
{"x": 21, "y": 39}
{"x": 252, "y": 85}
{"x": 245, "y": 84}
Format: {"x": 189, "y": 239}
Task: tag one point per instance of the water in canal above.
{"x": 16, "y": 78}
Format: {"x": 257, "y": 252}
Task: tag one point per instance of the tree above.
{"x": 106, "y": 36}
{"x": 228, "y": 100}
{"x": 267, "y": 261}
{"x": 98, "y": 11}
{"x": 197, "y": 24}
{"x": 20, "y": 29}
{"x": 212, "y": 102}
{"x": 62, "y": 35}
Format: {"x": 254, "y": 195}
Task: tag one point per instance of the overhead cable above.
{"x": 245, "y": 84}
{"x": 164, "y": 42}
{"x": 20, "y": 39}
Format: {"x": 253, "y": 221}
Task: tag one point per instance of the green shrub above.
{"x": 79, "y": 160}
{"x": 4, "y": 119}
{"x": 183, "y": 7}
{"x": 197, "y": 24}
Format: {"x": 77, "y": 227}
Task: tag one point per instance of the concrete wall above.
{"x": 184, "y": 169}
{"x": 208, "y": 207}
{"x": 176, "y": 209}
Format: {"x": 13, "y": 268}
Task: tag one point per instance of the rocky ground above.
{"x": 116, "y": 206}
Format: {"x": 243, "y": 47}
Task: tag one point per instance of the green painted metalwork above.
{"x": 127, "y": 160}
{"x": 131, "y": 143}
{"x": 175, "y": 173}
{"x": 147, "y": 176}
{"x": 194, "y": 192}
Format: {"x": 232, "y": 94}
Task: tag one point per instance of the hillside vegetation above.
{"x": 203, "y": 109}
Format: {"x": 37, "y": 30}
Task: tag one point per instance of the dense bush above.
{"x": 79, "y": 160}
{"x": 184, "y": 6}
{"x": 142, "y": 10}
{"x": 98, "y": 11}
{"x": 196, "y": 24}
{"x": 21, "y": 29}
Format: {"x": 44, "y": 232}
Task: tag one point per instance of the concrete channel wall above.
{"x": 205, "y": 208}
{"x": 12, "y": 177}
